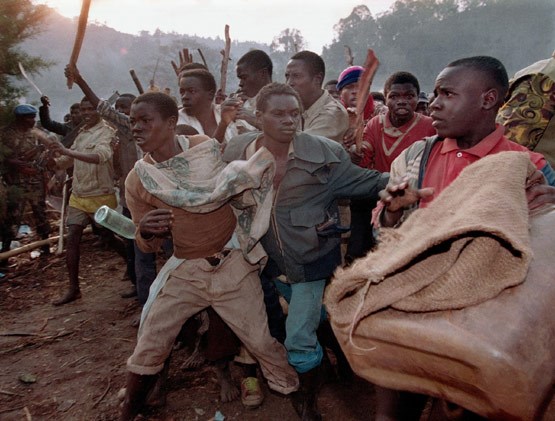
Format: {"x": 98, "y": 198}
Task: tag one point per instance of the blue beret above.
{"x": 25, "y": 109}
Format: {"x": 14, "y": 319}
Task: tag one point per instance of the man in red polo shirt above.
{"x": 468, "y": 94}
{"x": 388, "y": 135}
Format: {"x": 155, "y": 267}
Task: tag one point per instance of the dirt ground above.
{"x": 68, "y": 362}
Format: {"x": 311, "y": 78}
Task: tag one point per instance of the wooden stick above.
{"x": 62, "y": 217}
{"x": 184, "y": 58}
{"x": 3, "y": 411}
{"x": 137, "y": 81}
{"x": 104, "y": 394}
{"x": 202, "y": 57}
{"x": 79, "y": 37}
{"x": 155, "y": 69}
{"x": 34, "y": 245}
{"x": 225, "y": 60}
{"x": 71, "y": 363}
{"x": 187, "y": 57}
{"x": 348, "y": 55}
{"x": 175, "y": 68}
{"x": 36, "y": 342}
{"x": 364, "y": 83}
{"x": 5, "y": 392}
{"x": 17, "y": 334}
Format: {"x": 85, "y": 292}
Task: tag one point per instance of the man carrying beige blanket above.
{"x": 437, "y": 261}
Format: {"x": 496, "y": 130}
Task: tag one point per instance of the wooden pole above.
{"x": 202, "y": 57}
{"x": 35, "y": 244}
{"x": 225, "y": 60}
{"x": 364, "y": 84}
{"x": 62, "y": 217}
{"x": 79, "y": 37}
{"x": 137, "y": 81}
{"x": 348, "y": 55}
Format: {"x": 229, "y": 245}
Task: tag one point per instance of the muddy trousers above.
{"x": 232, "y": 289}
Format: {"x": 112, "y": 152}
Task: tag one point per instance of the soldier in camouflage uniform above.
{"x": 23, "y": 167}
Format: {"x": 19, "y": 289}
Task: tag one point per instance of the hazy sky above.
{"x": 249, "y": 20}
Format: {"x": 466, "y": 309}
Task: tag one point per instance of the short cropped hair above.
{"x": 314, "y": 62}
{"x": 490, "y": 66}
{"x": 257, "y": 60}
{"x": 398, "y": 78}
{"x": 206, "y": 78}
{"x": 377, "y": 96}
{"x": 191, "y": 66}
{"x": 163, "y": 103}
{"x": 130, "y": 96}
{"x": 272, "y": 89}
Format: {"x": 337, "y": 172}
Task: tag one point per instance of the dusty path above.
{"x": 68, "y": 363}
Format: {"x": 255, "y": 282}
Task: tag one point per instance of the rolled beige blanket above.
{"x": 442, "y": 308}
{"x": 466, "y": 247}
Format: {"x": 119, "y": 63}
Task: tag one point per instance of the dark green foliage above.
{"x": 422, "y": 36}
{"x": 19, "y": 20}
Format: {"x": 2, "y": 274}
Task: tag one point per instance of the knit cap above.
{"x": 348, "y": 76}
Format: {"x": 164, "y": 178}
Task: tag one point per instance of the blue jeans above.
{"x": 305, "y": 313}
{"x": 145, "y": 269}
{"x": 141, "y": 266}
{"x": 276, "y": 318}
{"x": 145, "y": 272}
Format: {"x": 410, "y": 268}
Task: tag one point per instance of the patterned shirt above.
{"x": 24, "y": 146}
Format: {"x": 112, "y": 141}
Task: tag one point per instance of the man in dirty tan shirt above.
{"x": 93, "y": 186}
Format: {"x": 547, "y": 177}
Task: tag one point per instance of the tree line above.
{"x": 423, "y": 36}
{"x": 420, "y": 36}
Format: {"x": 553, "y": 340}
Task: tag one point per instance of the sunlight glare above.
{"x": 67, "y": 8}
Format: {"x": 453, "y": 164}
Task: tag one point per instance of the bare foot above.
{"x": 195, "y": 360}
{"x": 228, "y": 390}
{"x": 70, "y": 296}
{"x": 157, "y": 395}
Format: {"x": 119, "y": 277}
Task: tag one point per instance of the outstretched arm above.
{"x": 73, "y": 73}
{"x": 46, "y": 122}
{"x": 59, "y": 149}
{"x": 398, "y": 196}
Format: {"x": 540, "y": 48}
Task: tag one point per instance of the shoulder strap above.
{"x": 418, "y": 154}
{"x": 429, "y": 143}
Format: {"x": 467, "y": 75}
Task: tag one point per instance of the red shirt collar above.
{"x": 483, "y": 148}
{"x": 388, "y": 125}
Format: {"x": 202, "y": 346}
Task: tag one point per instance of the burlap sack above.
{"x": 466, "y": 247}
{"x": 496, "y": 357}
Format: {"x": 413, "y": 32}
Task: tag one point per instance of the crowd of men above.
{"x": 248, "y": 195}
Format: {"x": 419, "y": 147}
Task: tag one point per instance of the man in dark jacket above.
{"x": 68, "y": 130}
{"x": 303, "y": 242}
